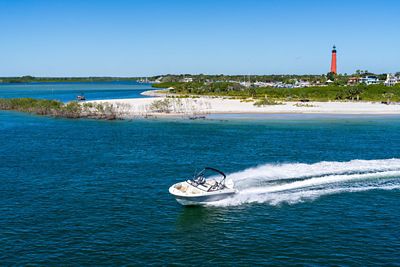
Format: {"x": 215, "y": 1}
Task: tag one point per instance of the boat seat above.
{"x": 211, "y": 183}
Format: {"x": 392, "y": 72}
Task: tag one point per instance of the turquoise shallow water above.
{"x": 321, "y": 190}
{"x": 68, "y": 91}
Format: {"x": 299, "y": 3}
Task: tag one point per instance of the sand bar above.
{"x": 139, "y": 107}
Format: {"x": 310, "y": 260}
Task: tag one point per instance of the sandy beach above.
{"x": 142, "y": 107}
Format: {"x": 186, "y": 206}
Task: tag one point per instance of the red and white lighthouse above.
{"x": 333, "y": 63}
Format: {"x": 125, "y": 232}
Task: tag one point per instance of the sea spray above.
{"x": 297, "y": 182}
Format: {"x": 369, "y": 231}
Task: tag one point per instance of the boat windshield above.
{"x": 200, "y": 178}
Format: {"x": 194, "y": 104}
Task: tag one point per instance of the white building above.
{"x": 391, "y": 80}
{"x": 245, "y": 84}
{"x": 368, "y": 80}
{"x": 263, "y": 84}
{"x": 186, "y": 80}
{"x": 301, "y": 84}
{"x": 329, "y": 81}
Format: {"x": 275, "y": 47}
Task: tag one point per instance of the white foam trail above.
{"x": 320, "y": 181}
{"x": 297, "y": 197}
{"x": 299, "y": 170}
{"x": 312, "y": 181}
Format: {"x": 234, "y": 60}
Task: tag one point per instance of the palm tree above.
{"x": 355, "y": 91}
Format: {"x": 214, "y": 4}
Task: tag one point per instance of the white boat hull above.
{"x": 192, "y": 196}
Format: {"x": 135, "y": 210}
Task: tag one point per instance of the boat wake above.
{"x": 294, "y": 183}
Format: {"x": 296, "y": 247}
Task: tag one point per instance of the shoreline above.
{"x": 174, "y": 106}
{"x": 155, "y": 93}
{"x": 195, "y": 108}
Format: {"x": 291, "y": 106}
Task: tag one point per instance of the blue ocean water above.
{"x": 314, "y": 190}
{"x": 68, "y": 91}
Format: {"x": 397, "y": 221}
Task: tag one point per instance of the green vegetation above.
{"x": 165, "y": 84}
{"x": 198, "y": 88}
{"x": 202, "y": 78}
{"x": 266, "y": 102}
{"x": 332, "y": 92}
{"x": 170, "y": 79}
{"x": 331, "y": 76}
{"x": 59, "y": 109}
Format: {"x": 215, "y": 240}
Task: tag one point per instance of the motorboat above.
{"x": 207, "y": 186}
{"x": 81, "y": 97}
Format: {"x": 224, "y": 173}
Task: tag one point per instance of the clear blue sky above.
{"x": 138, "y": 38}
